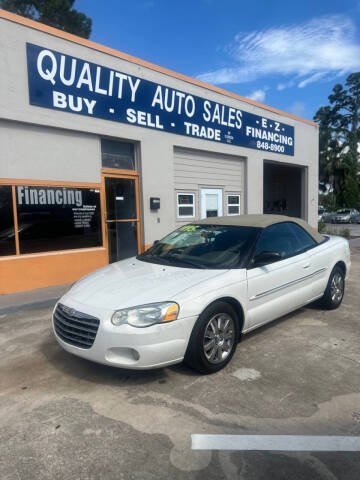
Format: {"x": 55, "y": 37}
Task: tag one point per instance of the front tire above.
{"x": 335, "y": 289}
{"x": 214, "y": 339}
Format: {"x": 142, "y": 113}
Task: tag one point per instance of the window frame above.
{"x": 233, "y": 204}
{"x": 14, "y": 219}
{"x": 178, "y": 205}
{"x": 14, "y": 182}
{"x": 103, "y": 140}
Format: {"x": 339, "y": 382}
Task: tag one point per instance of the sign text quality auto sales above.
{"x": 62, "y": 82}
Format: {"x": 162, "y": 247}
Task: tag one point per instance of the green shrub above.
{"x": 345, "y": 233}
{"x": 321, "y": 227}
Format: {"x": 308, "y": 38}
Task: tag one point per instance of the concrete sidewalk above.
{"x": 355, "y": 242}
{"x": 39, "y": 298}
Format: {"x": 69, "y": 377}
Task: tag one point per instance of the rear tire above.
{"x": 335, "y": 289}
{"x": 214, "y": 339}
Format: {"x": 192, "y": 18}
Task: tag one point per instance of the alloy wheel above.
{"x": 219, "y": 338}
{"x": 337, "y": 287}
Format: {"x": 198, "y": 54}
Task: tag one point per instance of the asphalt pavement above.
{"x": 65, "y": 418}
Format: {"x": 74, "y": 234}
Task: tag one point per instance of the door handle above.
{"x": 307, "y": 265}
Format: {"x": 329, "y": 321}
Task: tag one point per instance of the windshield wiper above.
{"x": 184, "y": 261}
{"x": 168, "y": 260}
{"x": 153, "y": 259}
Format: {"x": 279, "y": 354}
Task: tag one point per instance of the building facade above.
{"x": 103, "y": 153}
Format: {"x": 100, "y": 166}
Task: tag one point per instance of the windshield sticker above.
{"x": 189, "y": 228}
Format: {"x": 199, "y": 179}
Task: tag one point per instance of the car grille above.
{"x": 75, "y": 328}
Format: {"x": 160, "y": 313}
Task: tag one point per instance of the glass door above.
{"x": 211, "y": 202}
{"x": 122, "y": 222}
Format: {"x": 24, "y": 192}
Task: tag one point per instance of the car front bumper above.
{"x": 341, "y": 220}
{"x": 130, "y": 347}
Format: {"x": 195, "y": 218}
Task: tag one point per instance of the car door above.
{"x": 279, "y": 287}
{"x": 353, "y": 214}
{"x": 317, "y": 272}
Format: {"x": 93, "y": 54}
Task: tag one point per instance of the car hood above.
{"x": 133, "y": 282}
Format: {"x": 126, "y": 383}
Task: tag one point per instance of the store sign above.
{"x": 62, "y": 82}
{"x": 49, "y": 196}
{"x": 67, "y": 208}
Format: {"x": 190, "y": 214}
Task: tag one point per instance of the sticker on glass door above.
{"x": 211, "y": 202}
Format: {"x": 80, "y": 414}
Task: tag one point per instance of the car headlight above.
{"x": 146, "y": 315}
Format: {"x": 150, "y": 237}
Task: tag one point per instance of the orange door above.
{"x": 122, "y": 216}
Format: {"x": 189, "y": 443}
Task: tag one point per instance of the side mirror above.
{"x": 155, "y": 242}
{"x": 263, "y": 258}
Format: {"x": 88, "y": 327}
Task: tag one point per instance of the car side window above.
{"x": 304, "y": 239}
{"x": 277, "y": 238}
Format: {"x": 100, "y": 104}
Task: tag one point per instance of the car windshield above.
{"x": 203, "y": 246}
{"x": 343, "y": 211}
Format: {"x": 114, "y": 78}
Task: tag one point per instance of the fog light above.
{"x": 122, "y": 355}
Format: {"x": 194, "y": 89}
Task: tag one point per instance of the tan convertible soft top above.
{"x": 261, "y": 221}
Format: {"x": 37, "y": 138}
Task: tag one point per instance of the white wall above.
{"x": 42, "y": 153}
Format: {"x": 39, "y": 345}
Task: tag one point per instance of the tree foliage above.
{"x": 56, "y": 13}
{"x": 339, "y": 143}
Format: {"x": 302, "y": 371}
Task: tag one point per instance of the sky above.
{"x": 286, "y": 54}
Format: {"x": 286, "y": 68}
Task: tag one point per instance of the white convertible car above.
{"x": 192, "y": 295}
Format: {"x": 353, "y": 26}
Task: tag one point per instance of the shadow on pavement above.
{"x": 82, "y": 369}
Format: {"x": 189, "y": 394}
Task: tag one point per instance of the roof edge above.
{"x": 124, "y": 56}
{"x": 260, "y": 220}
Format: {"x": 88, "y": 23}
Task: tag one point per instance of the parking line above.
{"x": 298, "y": 443}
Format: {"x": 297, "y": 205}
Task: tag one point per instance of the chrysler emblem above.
{"x": 69, "y": 311}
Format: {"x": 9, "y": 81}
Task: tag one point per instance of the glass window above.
{"x": 277, "y": 238}
{"x": 304, "y": 240}
{"x": 233, "y": 202}
{"x": 122, "y": 237}
{"x": 58, "y": 218}
{"x": 211, "y": 204}
{"x": 7, "y": 231}
{"x": 117, "y": 154}
{"x": 120, "y": 198}
{"x": 186, "y": 205}
{"x": 203, "y": 246}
